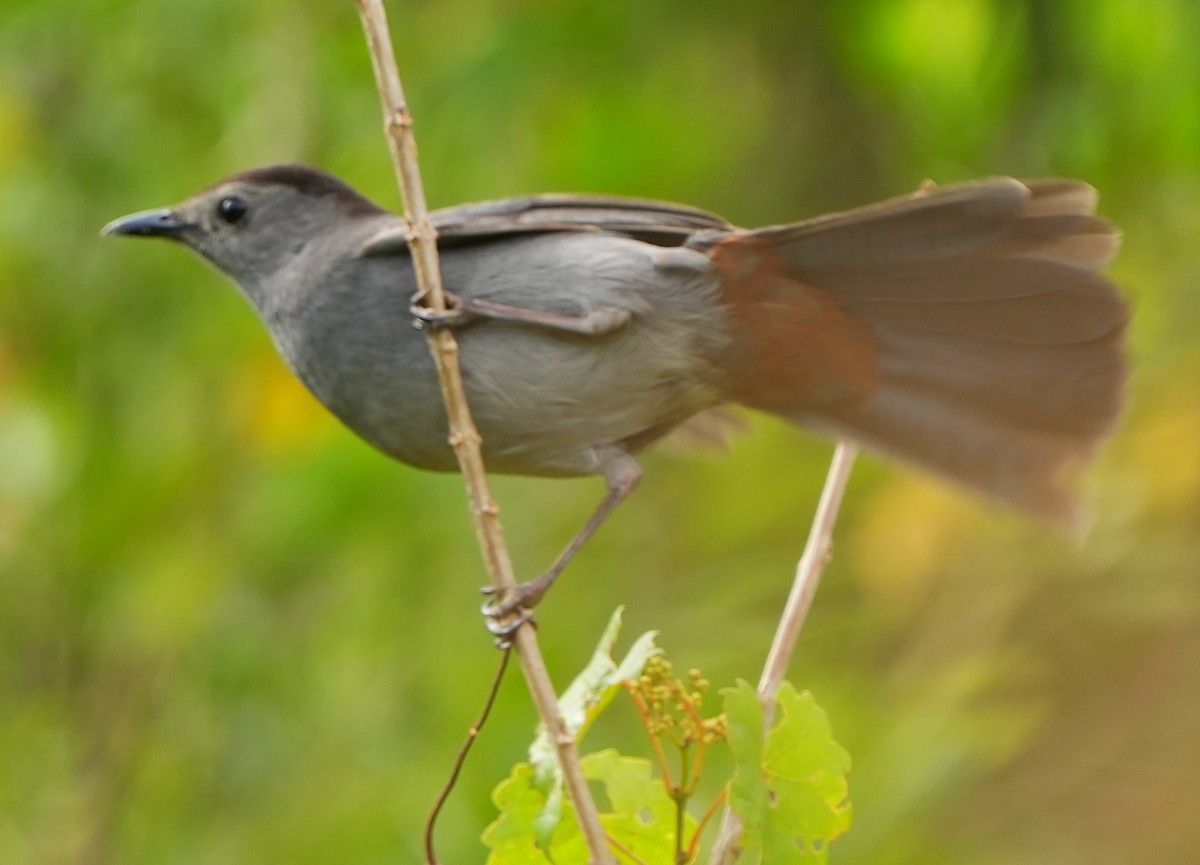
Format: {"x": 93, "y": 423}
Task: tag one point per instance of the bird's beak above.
{"x": 149, "y": 223}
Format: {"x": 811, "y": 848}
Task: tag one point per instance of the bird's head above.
{"x": 253, "y": 224}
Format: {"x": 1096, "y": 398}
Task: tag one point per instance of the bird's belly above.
{"x": 541, "y": 399}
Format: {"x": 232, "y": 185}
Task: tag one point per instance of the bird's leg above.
{"x": 465, "y": 310}
{"x": 621, "y": 476}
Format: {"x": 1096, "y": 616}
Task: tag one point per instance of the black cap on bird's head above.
{"x": 252, "y": 223}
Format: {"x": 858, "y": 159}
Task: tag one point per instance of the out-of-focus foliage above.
{"x": 230, "y": 633}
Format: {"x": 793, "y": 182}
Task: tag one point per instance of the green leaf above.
{"x": 641, "y": 816}
{"x": 517, "y": 837}
{"x": 642, "y": 819}
{"x": 790, "y": 785}
{"x": 748, "y": 789}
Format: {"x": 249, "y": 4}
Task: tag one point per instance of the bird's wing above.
{"x": 655, "y": 222}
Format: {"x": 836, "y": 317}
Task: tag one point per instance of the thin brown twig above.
{"x": 694, "y": 847}
{"x": 621, "y": 848}
{"x": 817, "y": 551}
{"x": 472, "y": 735}
{"x": 464, "y": 437}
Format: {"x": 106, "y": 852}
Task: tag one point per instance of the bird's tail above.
{"x": 967, "y": 331}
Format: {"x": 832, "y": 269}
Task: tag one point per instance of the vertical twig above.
{"x": 464, "y": 438}
{"x": 817, "y": 551}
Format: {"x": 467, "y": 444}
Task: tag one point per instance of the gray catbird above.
{"x": 966, "y": 331}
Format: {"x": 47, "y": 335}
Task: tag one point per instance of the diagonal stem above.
{"x": 817, "y": 552}
{"x": 464, "y": 437}
{"x": 816, "y": 555}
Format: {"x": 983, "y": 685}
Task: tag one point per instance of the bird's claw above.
{"x": 506, "y": 615}
{"x": 504, "y": 631}
{"x": 426, "y": 317}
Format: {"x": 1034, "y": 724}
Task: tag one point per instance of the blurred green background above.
{"x": 231, "y": 633}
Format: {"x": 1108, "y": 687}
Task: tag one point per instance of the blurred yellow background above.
{"x": 232, "y": 633}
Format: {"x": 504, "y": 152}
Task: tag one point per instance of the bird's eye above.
{"x": 232, "y": 209}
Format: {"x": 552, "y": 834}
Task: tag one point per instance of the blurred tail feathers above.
{"x": 967, "y": 331}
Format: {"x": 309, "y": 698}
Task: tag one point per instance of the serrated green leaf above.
{"x": 790, "y": 786}
{"x": 641, "y": 816}
{"x": 516, "y": 838}
{"x": 642, "y": 819}
{"x": 748, "y": 789}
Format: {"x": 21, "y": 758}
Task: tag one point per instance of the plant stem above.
{"x": 812, "y": 563}
{"x": 464, "y": 437}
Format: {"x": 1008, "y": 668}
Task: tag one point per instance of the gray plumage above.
{"x": 967, "y": 331}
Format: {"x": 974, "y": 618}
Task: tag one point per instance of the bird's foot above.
{"x": 506, "y": 615}
{"x": 455, "y": 315}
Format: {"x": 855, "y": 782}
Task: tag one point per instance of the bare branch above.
{"x": 817, "y": 552}
{"x": 464, "y": 437}
{"x": 812, "y": 563}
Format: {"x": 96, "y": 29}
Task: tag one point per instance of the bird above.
{"x": 966, "y": 330}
